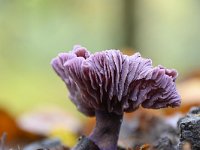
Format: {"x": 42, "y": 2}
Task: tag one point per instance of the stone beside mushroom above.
{"x": 189, "y": 128}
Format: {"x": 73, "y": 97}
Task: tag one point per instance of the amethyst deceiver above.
{"x": 107, "y": 84}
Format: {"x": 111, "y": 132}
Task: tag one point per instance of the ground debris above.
{"x": 48, "y": 144}
{"x": 164, "y": 143}
{"x": 148, "y": 129}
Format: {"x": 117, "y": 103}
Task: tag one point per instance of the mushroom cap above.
{"x": 113, "y": 82}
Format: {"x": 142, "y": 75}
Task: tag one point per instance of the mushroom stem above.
{"x": 106, "y": 132}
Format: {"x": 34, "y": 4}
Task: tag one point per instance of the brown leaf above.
{"x": 15, "y": 135}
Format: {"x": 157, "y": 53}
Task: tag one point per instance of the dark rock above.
{"x": 189, "y": 128}
{"x": 85, "y": 144}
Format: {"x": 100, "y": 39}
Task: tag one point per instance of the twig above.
{"x": 2, "y": 141}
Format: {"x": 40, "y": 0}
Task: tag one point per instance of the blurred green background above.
{"x": 32, "y": 32}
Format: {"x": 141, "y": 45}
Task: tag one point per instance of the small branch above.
{"x": 2, "y": 141}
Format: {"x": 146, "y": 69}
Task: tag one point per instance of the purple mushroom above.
{"x": 106, "y": 84}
